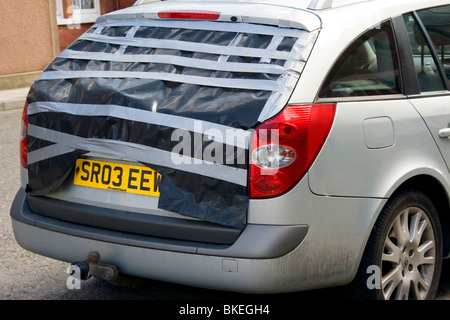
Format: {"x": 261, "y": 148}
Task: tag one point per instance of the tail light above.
{"x": 23, "y": 138}
{"x": 284, "y": 148}
{"x": 189, "y": 15}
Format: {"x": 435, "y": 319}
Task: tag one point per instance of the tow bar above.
{"x": 92, "y": 268}
{"x": 108, "y": 272}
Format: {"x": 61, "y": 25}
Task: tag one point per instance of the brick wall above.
{"x": 25, "y": 36}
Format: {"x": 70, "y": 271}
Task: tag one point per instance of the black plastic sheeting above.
{"x": 183, "y": 192}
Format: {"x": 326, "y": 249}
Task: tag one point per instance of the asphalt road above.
{"x": 27, "y": 276}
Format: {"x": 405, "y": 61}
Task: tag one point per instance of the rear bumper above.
{"x": 243, "y": 266}
{"x": 254, "y": 242}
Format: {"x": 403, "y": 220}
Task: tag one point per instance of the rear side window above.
{"x": 437, "y": 24}
{"x": 369, "y": 66}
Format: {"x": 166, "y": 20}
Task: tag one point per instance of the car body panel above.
{"x": 349, "y": 176}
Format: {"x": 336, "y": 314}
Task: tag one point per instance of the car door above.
{"x": 429, "y": 35}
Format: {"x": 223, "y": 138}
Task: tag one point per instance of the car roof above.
{"x": 318, "y": 5}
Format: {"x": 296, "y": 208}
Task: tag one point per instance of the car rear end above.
{"x": 164, "y": 140}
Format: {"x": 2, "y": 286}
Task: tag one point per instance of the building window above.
{"x": 75, "y": 12}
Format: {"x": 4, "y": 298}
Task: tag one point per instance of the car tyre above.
{"x": 403, "y": 256}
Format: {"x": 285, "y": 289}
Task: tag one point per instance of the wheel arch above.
{"x": 435, "y": 189}
{"x": 438, "y": 194}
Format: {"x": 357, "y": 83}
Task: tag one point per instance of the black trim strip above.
{"x": 130, "y": 222}
{"x": 432, "y": 48}
{"x": 410, "y": 83}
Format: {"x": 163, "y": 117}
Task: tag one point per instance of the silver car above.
{"x": 250, "y": 146}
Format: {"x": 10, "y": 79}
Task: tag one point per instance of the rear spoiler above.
{"x": 265, "y": 14}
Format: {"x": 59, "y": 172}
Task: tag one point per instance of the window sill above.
{"x": 76, "y": 21}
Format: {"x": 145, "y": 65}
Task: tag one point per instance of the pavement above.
{"x": 13, "y": 99}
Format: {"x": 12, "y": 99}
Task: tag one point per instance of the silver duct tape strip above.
{"x": 230, "y": 136}
{"x": 304, "y": 50}
{"x": 245, "y": 84}
{"x": 191, "y": 47}
{"x": 278, "y": 100}
{"x": 140, "y": 153}
{"x": 289, "y": 79}
{"x": 233, "y": 43}
{"x": 175, "y": 60}
{"x": 276, "y": 41}
{"x": 130, "y": 34}
{"x": 48, "y": 152}
{"x": 98, "y": 30}
{"x": 204, "y": 25}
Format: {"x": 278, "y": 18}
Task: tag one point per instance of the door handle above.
{"x": 444, "y": 133}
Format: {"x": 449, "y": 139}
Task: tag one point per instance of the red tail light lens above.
{"x": 284, "y": 148}
{"x": 23, "y": 138}
{"x": 189, "y": 15}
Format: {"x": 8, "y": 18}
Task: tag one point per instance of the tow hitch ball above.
{"x": 92, "y": 267}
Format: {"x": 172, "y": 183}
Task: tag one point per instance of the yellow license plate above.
{"x": 117, "y": 177}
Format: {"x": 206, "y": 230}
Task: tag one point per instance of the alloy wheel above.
{"x": 409, "y": 256}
